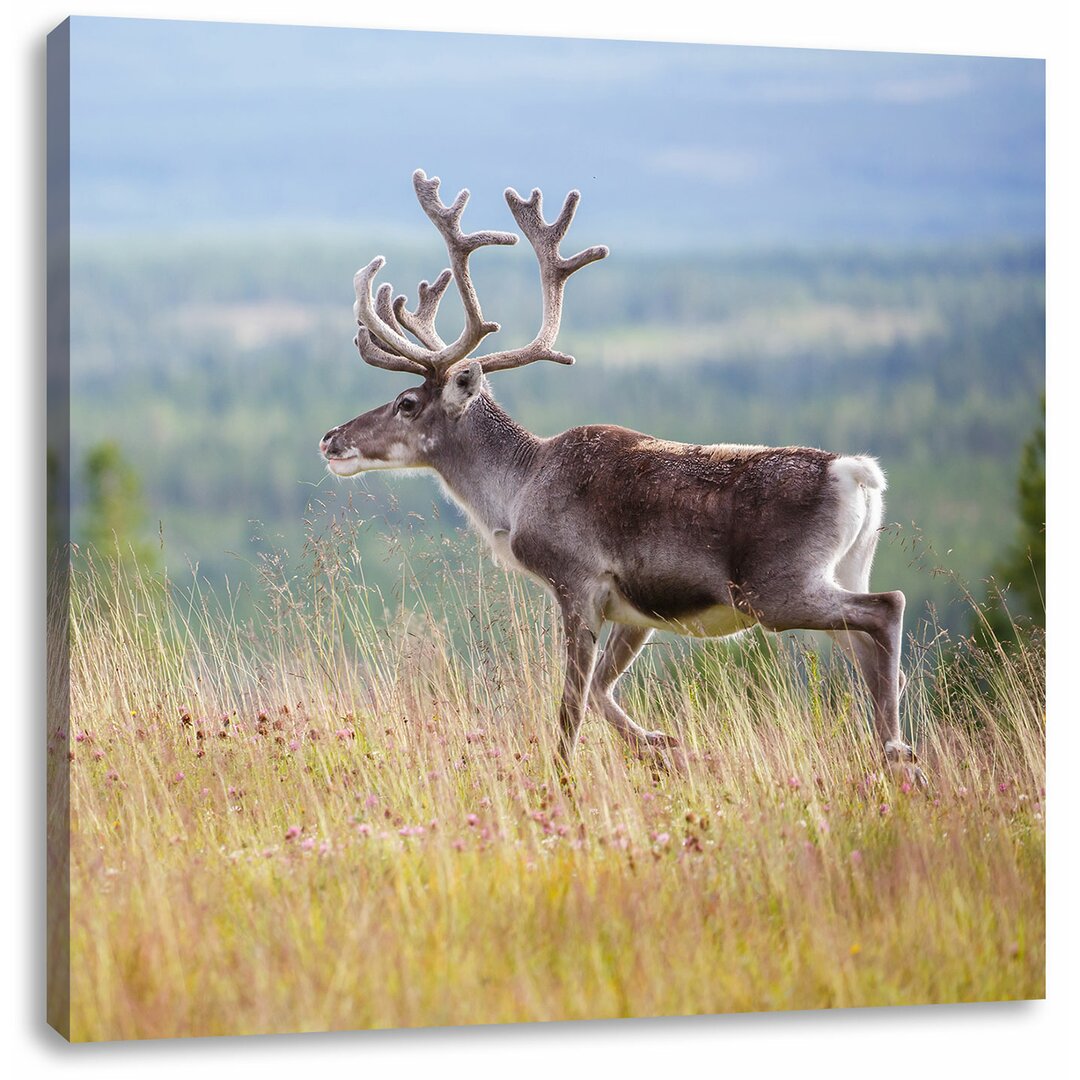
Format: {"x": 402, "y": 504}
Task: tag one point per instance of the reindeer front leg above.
{"x": 582, "y": 628}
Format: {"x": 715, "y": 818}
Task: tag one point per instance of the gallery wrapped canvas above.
{"x": 707, "y": 677}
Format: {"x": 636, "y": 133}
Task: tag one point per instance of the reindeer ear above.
{"x": 463, "y": 383}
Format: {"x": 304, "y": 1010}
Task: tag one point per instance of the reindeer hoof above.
{"x": 906, "y": 771}
{"x": 661, "y": 738}
{"x": 664, "y": 752}
{"x": 901, "y": 759}
{"x": 919, "y": 779}
{"x": 896, "y": 751}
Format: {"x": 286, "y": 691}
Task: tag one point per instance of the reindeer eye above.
{"x": 407, "y": 406}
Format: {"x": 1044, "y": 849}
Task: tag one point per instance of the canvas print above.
{"x": 540, "y": 529}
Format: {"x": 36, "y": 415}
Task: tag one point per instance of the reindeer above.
{"x": 618, "y": 526}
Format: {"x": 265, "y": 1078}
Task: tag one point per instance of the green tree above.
{"x": 1020, "y": 575}
{"x": 115, "y": 515}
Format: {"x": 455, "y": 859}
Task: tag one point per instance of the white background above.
{"x": 980, "y": 1040}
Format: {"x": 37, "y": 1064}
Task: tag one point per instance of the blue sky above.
{"x": 188, "y": 126}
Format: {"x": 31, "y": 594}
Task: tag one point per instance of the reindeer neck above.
{"x": 485, "y": 462}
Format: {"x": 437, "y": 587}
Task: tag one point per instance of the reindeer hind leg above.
{"x": 872, "y": 625}
{"x": 623, "y": 646}
{"x": 853, "y": 574}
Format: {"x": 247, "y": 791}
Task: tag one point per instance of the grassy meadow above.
{"x": 318, "y": 817}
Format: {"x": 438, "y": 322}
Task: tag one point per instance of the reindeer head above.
{"x": 405, "y": 432}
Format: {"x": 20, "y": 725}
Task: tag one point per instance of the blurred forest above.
{"x": 209, "y": 368}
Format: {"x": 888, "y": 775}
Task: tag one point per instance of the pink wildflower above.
{"x": 292, "y": 832}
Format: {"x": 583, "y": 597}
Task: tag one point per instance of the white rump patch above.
{"x": 860, "y": 469}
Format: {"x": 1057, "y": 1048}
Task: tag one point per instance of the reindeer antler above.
{"x": 381, "y": 338}
{"x": 421, "y": 323}
{"x": 554, "y": 270}
{"x": 383, "y": 324}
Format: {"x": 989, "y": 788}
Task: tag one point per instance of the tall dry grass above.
{"x": 324, "y": 818}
